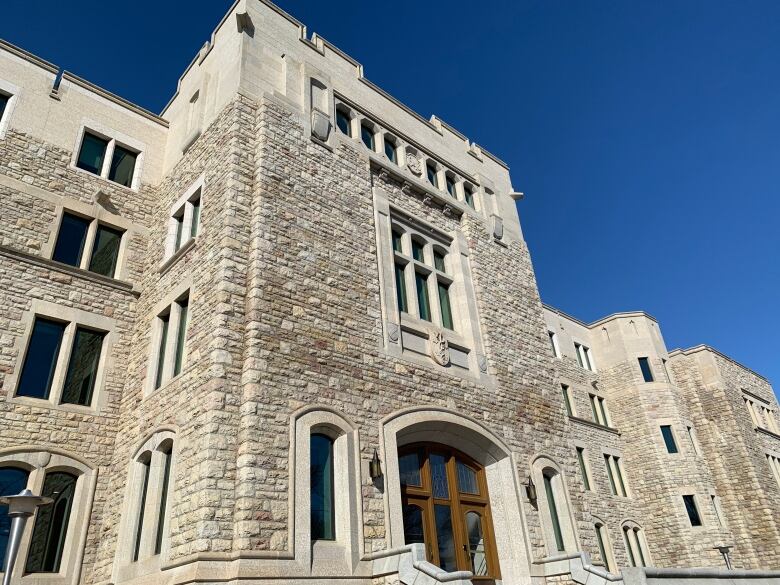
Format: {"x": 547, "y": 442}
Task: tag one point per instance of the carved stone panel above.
{"x": 439, "y": 348}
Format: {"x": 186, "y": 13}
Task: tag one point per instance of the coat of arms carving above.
{"x": 439, "y": 348}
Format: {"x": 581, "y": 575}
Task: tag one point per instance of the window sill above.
{"x": 50, "y": 405}
{"x": 423, "y": 327}
{"x": 121, "y": 285}
{"x": 73, "y": 167}
{"x": 164, "y": 386}
{"x": 165, "y": 266}
{"x": 596, "y": 425}
{"x": 767, "y": 432}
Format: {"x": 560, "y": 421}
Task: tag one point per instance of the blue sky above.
{"x": 645, "y": 134}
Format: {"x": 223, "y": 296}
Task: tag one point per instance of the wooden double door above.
{"x": 446, "y": 506}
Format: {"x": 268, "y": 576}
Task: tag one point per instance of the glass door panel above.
{"x": 476, "y": 544}
{"x": 445, "y": 538}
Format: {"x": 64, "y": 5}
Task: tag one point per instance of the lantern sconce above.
{"x": 530, "y": 490}
{"x": 375, "y": 466}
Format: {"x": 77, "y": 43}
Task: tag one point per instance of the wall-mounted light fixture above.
{"x": 530, "y": 490}
{"x": 375, "y": 466}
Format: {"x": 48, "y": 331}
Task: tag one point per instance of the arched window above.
{"x": 323, "y": 520}
{"x": 635, "y": 545}
{"x": 446, "y": 507}
{"x": 605, "y": 549}
{"x": 553, "y": 505}
{"x": 51, "y": 523}
{"x": 12, "y": 481}
{"x": 343, "y": 121}
{"x": 549, "y": 475}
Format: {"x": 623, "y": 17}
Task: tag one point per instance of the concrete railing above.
{"x": 653, "y": 576}
{"x": 412, "y": 568}
{"x": 576, "y": 564}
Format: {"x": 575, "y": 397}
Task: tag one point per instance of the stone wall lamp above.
{"x": 530, "y": 490}
{"x": 375, "y": 466}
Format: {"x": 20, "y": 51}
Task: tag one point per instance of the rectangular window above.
{"x": 468, "y": 194}
{"x": 185, "y": 221}
{"x": 181, "y": 336}
{"x": 122, "y": 166}
{"x": 583, "y": 467}
{"x": 599, "y": 409}
{"x": 693, "y": 511}
{"x": 615, "y": 474}
{"x": 694, "y": 442}
{"x": 554, "y": 344}
{"x": 390, "y": 151}
{"x": 444, "y": 305}
{"x": 584, "y": 359}
{"x": 168, "y": 455}
{"x": 3, "y": 104}
{"x": 647, "y": 373}
{"x": 147, "y": 468}
{"x": 610, "y": 475}
{"x": 41, "y": 359}
{"x": 367, "y": 136}
{"x": 171, "y": 349}
{"x": 423, "y": 301}
{"x": 601, "y": 540}
{"x": 418, "y": 251}
{"x": 195, "y": 224}
{"x": 400, "y": 289}
{"x": 71, "y": 241}
{"x": 774, "y": 465}
{"x": 397, "y": 242}
{"x": 619, "y": 474}
{"x": 343, "y": 122}
{"x": 566, "y": 391}
{"x": 165, "y": 321}
{"x": 450, "y": 186}
{"x": 92, "y": 153}
{"x": 438, "y": 261}
{"x": 83, "y": 368}
{"x": 668, "y": 435}
{"x": 432, "y": 174}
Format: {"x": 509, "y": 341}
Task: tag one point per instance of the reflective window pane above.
{"x": 41, "y": 359}
{"x": 430, "y": 171}
{"x": 390, "y": 150}
{"x": 467, "y": 479}
{"x": 693, "y": 511}
{"x": 122, "y": 166}
{"x": 438, "y": 261}
{"x": 469, "y": 196}
{"x": 647, "y": 373}
{"x": 51, "y": 524}
{"x": 342, "y": 122}
{"x": 423, "y": 300}
{"x": 418, "y": 251}
{"x": 445, "y": 539}
{"x": 164, "y": 323}
{"x": 409, "y": 468}
{"x": 400, "y": 289}
{"x": 70, "y": 239}
{"x": 181, "y": 336}
{"x": 671, "y": 445}
{"x": 397, "y": 242}
{"x": 105, "y": 252}
{"x": 444, "y": 305}
{"x": 322, "y": 508}
{"x": 367, "y": 136}
{"x": 12, "y": 481}
{"x": 195, "y": 218}
{"x": 3, "y": 103}
{"x": 440, "y": 486}
{"x": 476, "y": 544}
{"x": 413, "y": 524}
{"x": 92, "y": 153}
{"x": 450, "y": 186}
{"x": 83, "y": 367}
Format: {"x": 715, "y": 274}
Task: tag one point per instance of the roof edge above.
{"x": 27, "y": 56}
{"x": 610, "y": 317}
{"x": 704, "y": 347}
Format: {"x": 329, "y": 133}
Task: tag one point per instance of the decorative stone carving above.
{"x": 407, "y": 188}
{"x": 482, "y": 363}
{"x": 384, "y": 175}
{"x": 413, "y": 163}
{"x": 428, "y": 200}
{"x": 439, "y": 348}
{"x": 320, "y": 125}
{"x": 42, "y": 459}
{"x": 496, "y": 227}
{"x": 393, "y": 332}
{"x": 448, "y": 210}
{"x": 101, "y": 197}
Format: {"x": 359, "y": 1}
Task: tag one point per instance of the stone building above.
{"x": 288, "y": 331}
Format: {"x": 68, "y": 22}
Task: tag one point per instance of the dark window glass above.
{"x": 51, "y": 524}
{"x": 92, "y": 153}
{"x": 390, "y": 150}
{"x": 12, "y": 481}
{"x": 671, "y": 445}
{"x": 41, "y": 359}
{"x": 438, "y": 261}
{"x": 583, "y": 468}
{"x": 602, "y": 548}
{"x": 553, "y": 507}
{"x": 445, "y": 537}
{"x": 179, "y": 217}
{"x": 629, "y": 548}
{"x": 444, "y": 305}
{"x": 342, "y": 121}
{"x": 164, "y": 321}
{"x": 418, "y": 252}
{"x": 611, "y": 476}
{"x": 181, "y": 336}
{"x": 414, "y": 530}
{"x": 567, "y": 399}
{"x": 439, "y": 483}
{"x": 469, "y": 196}
{"x": 433, "y": 179}
{"x": 147, "y": 468}
{"x": 83, "y": 367}
{"x": 423, "y": 301}
{"x": 450, "y": 186}
{"x": 409, "y": 468}
{"x": 397, "y": 239}
{"x": 603, "y": 410}
{"x": 167, "y": 456}
{"x": 3, "y": 103}
{"x": 195, "y": 217}
{"x": 106, "y": 251}
{"x": 70, "y": 239}
{"x": 400, "y": 289}
{"x": 647, "y": 373}
{"x": 467, "y": 479}
{"x": 122, "y": 166}
{"x": 367, "y": 136}
{"x": 322, "y": 498}
{"x": 693, "y": 511}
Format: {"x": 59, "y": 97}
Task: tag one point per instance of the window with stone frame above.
{"x": 617, "y": 482}
{"x": 584, "y": 357}
{"x": 4, "y": 99}
{"x": 184, "y": 222}
{"x": 89, "y": 244}
{"x": 774, "y": 464}
{"x": 636, "y": 548}
{"x": 106, "y": 157}
{"x": 170, "y": 349}
{"x": 598, "y": 406}
{"x": 762, "y": 416}
{"x": 554, "y": 344}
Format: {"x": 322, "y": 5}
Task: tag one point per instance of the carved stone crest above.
{"x": 439, "y": 348}
{"x": 392, "y": 332}
{"x": 482, "y": 363}
{"x": 413, "y": 163}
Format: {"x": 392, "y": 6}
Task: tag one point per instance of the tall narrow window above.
{"x": 92, "y": 153}
{"x": 692, "y": 509}
{"x": 105, "y": 252}
{"x": 390, "y": 150}
{"x": 694, "y": 442}
{"x": 666, "y": 370}
{"x": 51, "y": 524}
{"x": 432, "y": 174}
{"x": 122, "y": 166}
{"x": 195, "y": 225}
{"x": 601, "y": 540}
{"x": 774, "y": 465}
{"x": 322, "y": 499}
{"x": 438, "y": 260}
{"x": 599, "y": 409}
{"x": 450, "y": 182}
{"x": 444, "y": 305}
{"x": 181, "y": 336}
{"x": 423, "y": 300}
{"x": 71, "y": 238}
{"x": 167, "y": 455}
{"x": 171, "y": 351}
{"x": 12, "y": 481}
{"x": 632, "y": 536}
{"x": 398, "y": 242}
{"x": 367, "y": 136}
{"x": 3, "y": 104}
{"x": 41, "y": 359}
{"x": 583, "y": 467}
{"x": 343, "y": 122}
{"x": 647, "y": 373}
{"x": 553, "y": 509}
{"x": 668, "y": 435}
{"x": 611, "y": 475}
{"x": 400, "y": 288}
{"x": 185, "y": 221}
{"x": 146, "y": 465}
{"x": 617, "y": 484}
{"x": 468, "y": 195}
{"x": 566, "y": 391}
{"x": 584, "y": 358}
{"x": 554, "y": 343}
{"x": 418, "y": 251}
{"x": 165, "y": 321}
{"x": 619, "y": 474}
{"x": 83, "y": 368}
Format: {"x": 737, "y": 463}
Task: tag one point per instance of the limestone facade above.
{"x": 275, "y": 206}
